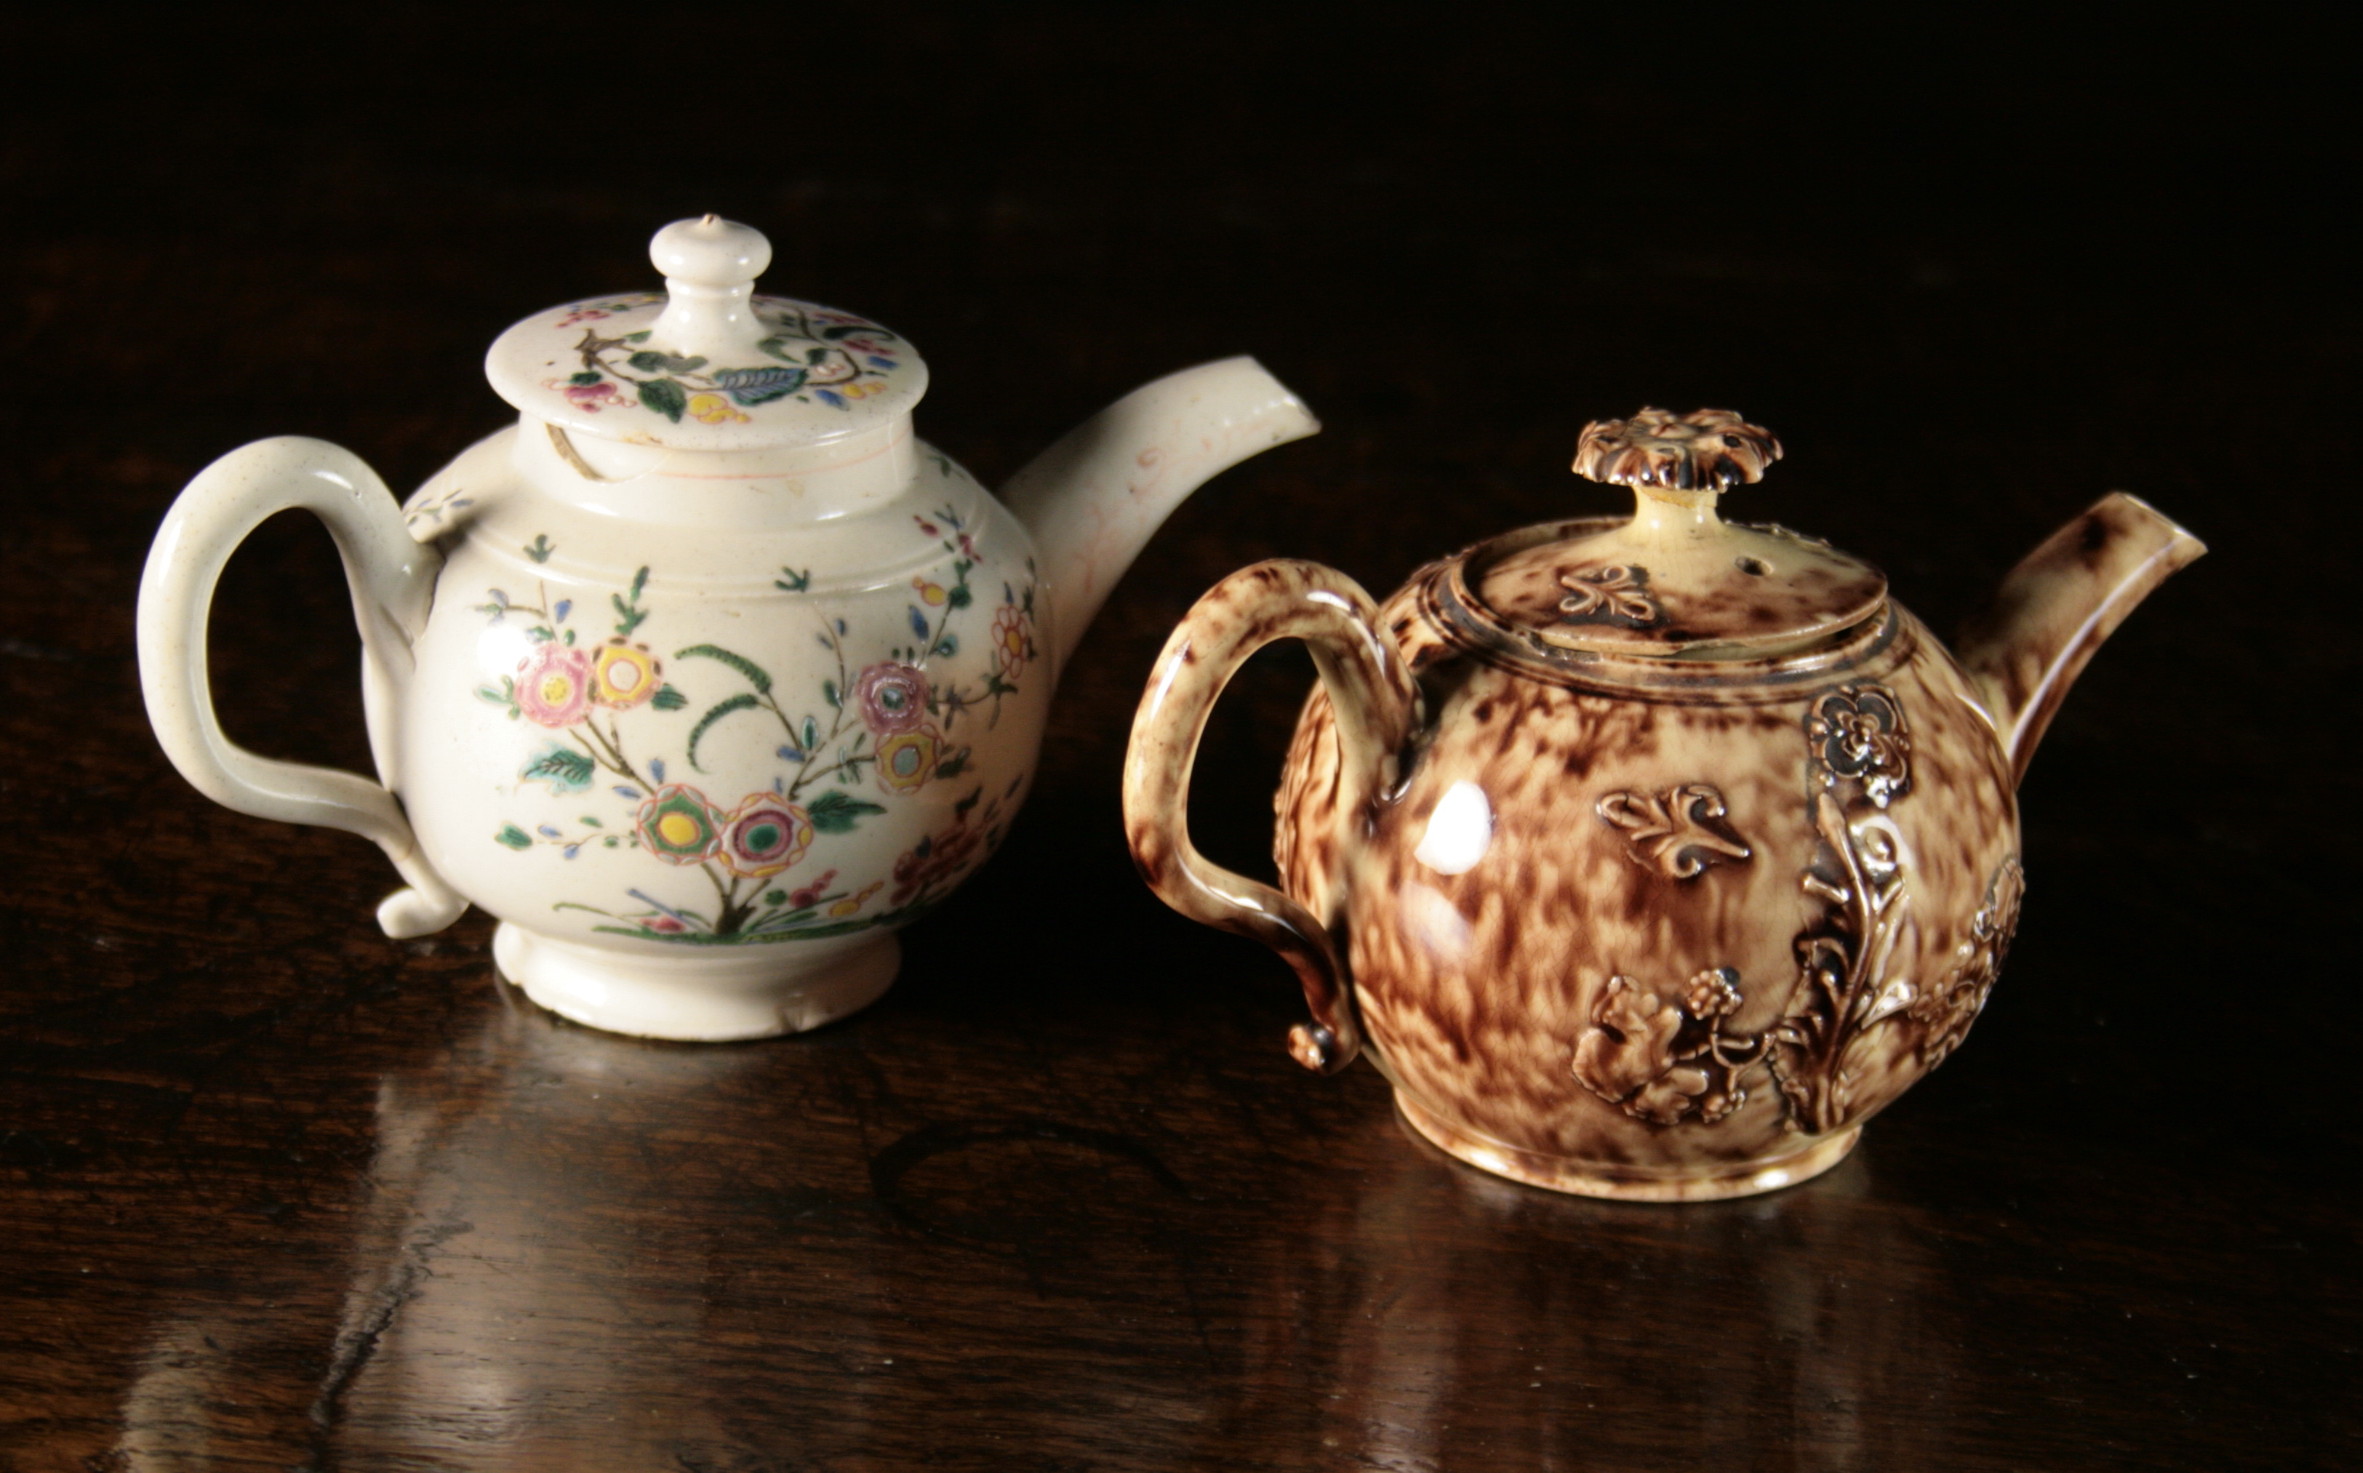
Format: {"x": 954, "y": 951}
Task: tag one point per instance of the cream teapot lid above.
{"x": 707, "y": 364}
{"x": 1676, "y": 581}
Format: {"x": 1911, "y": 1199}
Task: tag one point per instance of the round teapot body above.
{"x": 703, "y": 741}
{"x": 1657, "y": 929}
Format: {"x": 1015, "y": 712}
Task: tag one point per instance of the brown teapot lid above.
{"x": 1677, "y": 581}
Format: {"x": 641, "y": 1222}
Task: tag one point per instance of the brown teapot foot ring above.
{"x": 1712, "y": 1181}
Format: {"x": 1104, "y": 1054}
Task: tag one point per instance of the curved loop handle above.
{"x": 393, "y": 581}
{"x": 1376, "y": 705}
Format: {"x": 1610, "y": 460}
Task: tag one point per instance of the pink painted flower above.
{"x": 593, "y": 397}
{"x": 891, "y": 697}
{"x": 554, "y": 685}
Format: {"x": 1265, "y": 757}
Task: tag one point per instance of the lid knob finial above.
{"x": 710, "y": 265}
{"x": 1687, "y": 459}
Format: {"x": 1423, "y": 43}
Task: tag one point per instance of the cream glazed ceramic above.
{"x": 1650, "y": 858}
{"x": 707, "y": 674}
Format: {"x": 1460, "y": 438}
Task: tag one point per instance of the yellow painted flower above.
{"x": 623, "y": 675}
{"x": 931, "y": 594}
{"x": 713, "y": 409}
{"x": 907, "y": 759}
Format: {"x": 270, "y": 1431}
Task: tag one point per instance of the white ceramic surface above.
{"x": 707, "y": 674}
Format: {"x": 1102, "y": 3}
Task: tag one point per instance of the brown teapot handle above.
{"x": 1376, "y": 705}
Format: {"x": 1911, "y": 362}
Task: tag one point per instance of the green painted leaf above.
{"x": 668, "y": 699}
{"x": 587, "y": 377}
{"x": 514, "y": 837}
{"x": 958, "y": 596}
{"x": 739, "y": 702}
{"x": 755, "y": 674}
{"x": 953, "y": 765}
{"x": 665, "y": 397}
{"x": 828, "y": 692}
{"x": 627, "y": 617}
{"x": 837, "y": 811}
{"x": 648, "y": 361}
{"x": 562, "y": 765}
{"x": 811, "y": 733}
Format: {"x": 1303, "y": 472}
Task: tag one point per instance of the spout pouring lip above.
{"x": 2057, "y": 607}
{"x": 1093, "y": 499}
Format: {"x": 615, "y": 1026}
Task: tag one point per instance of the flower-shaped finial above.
{"x": 1707, "y": 450}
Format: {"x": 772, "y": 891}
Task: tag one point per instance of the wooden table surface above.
{"x": 277, "y": 1192}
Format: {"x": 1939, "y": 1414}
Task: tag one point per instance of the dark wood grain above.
{"x": 276, "y": 1192}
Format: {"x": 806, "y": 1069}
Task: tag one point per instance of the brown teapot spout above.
{"x": 2059, "y": 604}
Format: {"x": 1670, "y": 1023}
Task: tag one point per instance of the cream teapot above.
{"x": 707, "y": 674}
{"x": 1649, "y": 858}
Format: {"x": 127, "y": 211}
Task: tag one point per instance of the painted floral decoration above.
{"x": 893, "y": 697}
{"x": 554, "y": 685}
{"x": 1013, "y": 640}
{"x": 678, "y": 825}
{"x": 891, "y": 728}
{"x": 908, "y": 758}
{"x": 809, "y": 356}
{"x": 764, "y": 836}
{"x": 623, "y": 675}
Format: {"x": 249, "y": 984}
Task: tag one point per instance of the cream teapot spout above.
{"x": 1093, "y": 499}
{"x": 2058, "y": 605}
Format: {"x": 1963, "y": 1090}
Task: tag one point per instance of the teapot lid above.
{"x": 706, "y": 364}
{"x": 1677, "y": 581}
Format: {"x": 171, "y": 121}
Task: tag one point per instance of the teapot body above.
{"x": 1648, "y": 857}
{"x": 702, "y": 765}
{"x": 1637, "y": 930}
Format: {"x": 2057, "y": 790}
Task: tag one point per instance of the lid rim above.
{"x": 1617, "y": 618}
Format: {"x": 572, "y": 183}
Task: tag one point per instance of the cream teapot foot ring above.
{"x": 719, "y": 999}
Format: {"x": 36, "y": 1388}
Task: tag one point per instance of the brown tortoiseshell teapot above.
{"x": 1648, "y": 858}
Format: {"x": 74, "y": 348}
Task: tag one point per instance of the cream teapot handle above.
{"x": 393, "y": 582}
{"x": 1376, "y": 705}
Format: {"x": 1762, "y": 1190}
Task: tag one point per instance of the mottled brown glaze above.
{"x": 1588, "y": 587}
{"x": 1657, "y": 981}
{"x": 1660, "y": 920}
{"x": 1656, "y": 447}
{"x": 2060, "y": 603}
{"x": 1281, "y": 599}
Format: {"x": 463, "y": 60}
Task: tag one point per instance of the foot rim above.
{"x": 789, "y": 988}
{"x": 1708, "y": 1182}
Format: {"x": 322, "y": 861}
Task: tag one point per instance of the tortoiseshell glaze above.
{"x": 1477, "y": 989}
{"x": 1664, "y": 912}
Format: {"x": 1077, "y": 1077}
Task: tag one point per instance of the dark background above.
{"x": 275, "y": 1191}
